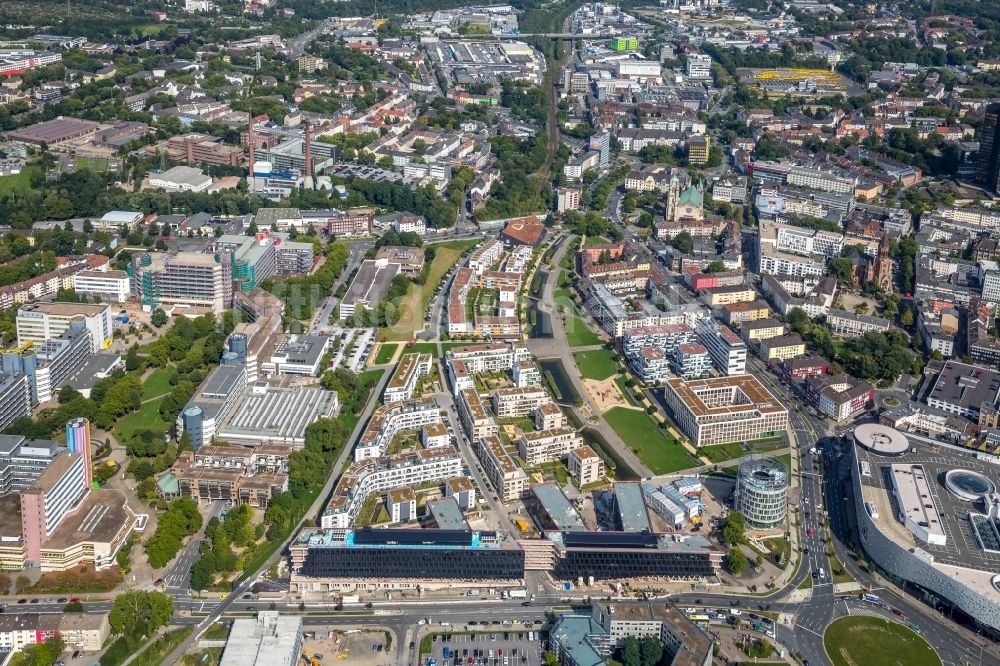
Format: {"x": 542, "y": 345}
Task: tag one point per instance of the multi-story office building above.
{"x": 109, "y": 286}
{"x": 820, "y": 179}
{"x": 838, "y": 396}
{"x": 728, "y": 351}
{"x": 297, "y": 355}
{"x": 724, "y": 409}
{"x": 269, "y": 638}
{"x": 407, "y": 377}
{"x": 182, "y": 279}
{"x": 542, "y": 446}
{"x": 15, "y": 398}
{"x": 506, "y": 476}
{"x": 605, "y": 627}
{"x": 215, "y": 399}
{"x": 57, "y": 360}
{"x": 991, "y": 286}
{"x": 239, "y": 480}
{"x": 256, "y": 258}
{"x": 617, "y": 555}
{"x": 370, "y": 285}
{"x": 988, "y": 162}
{"x": 37, "y": 322}
{"x": 349, "y": 223}
{"x": 194, "y": 148}
{"x": 786, "y": 250}
{"x": 698, "y": 66}
{"x": 698, "y": 149}
{"x": 762, "y": 493}
{"x": 56, "y": 492}
{"x": 329, "y": 560}
{"x": 23, "y": 460}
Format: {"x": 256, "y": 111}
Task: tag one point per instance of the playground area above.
{"x": 605, "y": 393}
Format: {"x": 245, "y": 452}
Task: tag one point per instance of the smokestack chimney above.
{"x": 309, "y": 164}
{"x": 250, "y": 140}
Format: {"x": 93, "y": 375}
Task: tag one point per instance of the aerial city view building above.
{"x": 525, "y": 334}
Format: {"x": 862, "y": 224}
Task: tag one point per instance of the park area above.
{"x": 660, "y": 452}
{"x": 578, "y": 334}
{"x": 414, "y": 303}
{"x": 857, "y": 640}
{"x": 598, "y": 364}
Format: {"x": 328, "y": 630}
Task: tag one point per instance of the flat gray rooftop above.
{"x": 371, "y": 283}
{"x": 961, "y": 548}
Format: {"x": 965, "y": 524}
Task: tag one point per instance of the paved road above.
{"x": 177, "y": 579}
{"x": 557, "y": 347}
{"x": 321, "y": 319}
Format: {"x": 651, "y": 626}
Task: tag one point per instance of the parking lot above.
{"x": 492, "y": 648}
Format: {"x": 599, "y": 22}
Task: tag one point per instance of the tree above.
{"x": 736, "y": 562}
{"x": 683, "y": 242}
{"x": 906, "y": 316}
{"x": 716, "y": 266}
{"x": 132, "y": 359}
{"x": 796, "y": 319}
{"x": 5, "y": 583}
{"x": 68, "y": 394}
{"x": 842, "y": 269}
{"x": 652, "y": 651}
{"x": 158, "y": 317}
{"x": 22, "y": 583}
{"x": 734, "y": 528}
{"x": 40, "y": 654}
{"x": 137, "y": 613}
{"x": 73, "y": 607}
{"x": 630, "y": 655}
{"x": 551, "y": 659}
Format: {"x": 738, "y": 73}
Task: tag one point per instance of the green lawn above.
{"x": 157, "y": 652}
{"x": 721, "y": 452}
{"x": 385, "y": 353}
{"x": 871, "y": 640}
{"x": 578, "y": 334}
{"x": 21, "y": 183}
{"x": 596, "y": 240}
{"x": 598, "y": 364}
{"x": 147, "y": 418}
{"x": 626, "y": 391}
{"x": 414, "y": 305}
{"x": 157, "y": 383}
{"x": 661, "y": 453}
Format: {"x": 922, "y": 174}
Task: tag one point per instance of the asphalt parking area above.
{"x": 492, "y": 648}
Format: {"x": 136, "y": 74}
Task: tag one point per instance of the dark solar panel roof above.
{"x": 413, "y": 537}
{"x": 609, "y": 540}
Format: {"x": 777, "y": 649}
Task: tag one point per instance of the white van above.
{"x": 822, "y": 573}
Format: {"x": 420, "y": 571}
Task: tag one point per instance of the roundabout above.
{"x": 860, "y": 640}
